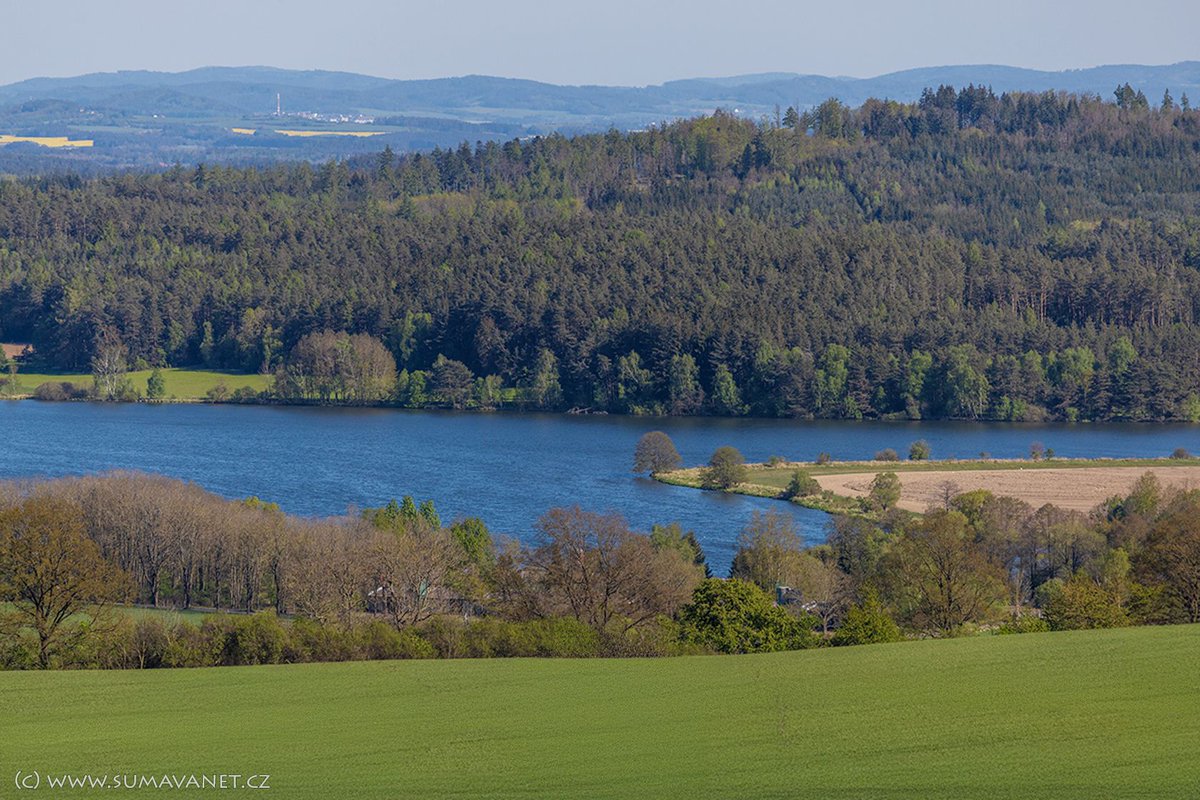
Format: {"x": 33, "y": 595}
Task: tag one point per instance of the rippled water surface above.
{"x": 505, "y": 468}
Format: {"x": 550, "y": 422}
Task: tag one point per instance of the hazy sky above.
{"x": 627, "y": 42}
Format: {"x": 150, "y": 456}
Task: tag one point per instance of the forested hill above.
{"x": 969, "y": 255}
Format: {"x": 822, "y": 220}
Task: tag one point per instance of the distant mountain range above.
{"x": 146, "y": 118}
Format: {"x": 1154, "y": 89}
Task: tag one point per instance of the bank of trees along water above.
{"x": 397, "y": 581}
{"x": 968, "y": 255}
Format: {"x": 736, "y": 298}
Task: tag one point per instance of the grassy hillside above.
{"x": 1088, "y": 714}
{"x": 181, "y": 384}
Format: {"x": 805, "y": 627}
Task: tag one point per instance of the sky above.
{"x": 615, "y": 42}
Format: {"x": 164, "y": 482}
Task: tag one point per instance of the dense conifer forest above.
{"x": 969, "y": 255}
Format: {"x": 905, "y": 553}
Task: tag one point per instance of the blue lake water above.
{"x": 506, "y": 468}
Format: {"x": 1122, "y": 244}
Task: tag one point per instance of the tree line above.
{"x": 1021, "y": 256}
{"x": 396, "y": 582}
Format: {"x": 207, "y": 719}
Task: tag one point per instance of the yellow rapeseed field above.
{"x": 46, "y": 141}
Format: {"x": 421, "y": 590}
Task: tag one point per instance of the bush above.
{"x": 867, "y": 623}
{"x": 245, "y": 394}
{"x": 379, "y": 641}
{"x": 218, "y": 393}
{"x": 919, "y": 451}
{"x": 658, "y": 639}
{"x": 448, "y": 636}
{"x": 801, "y": 485}
{"x": 243, "y": 641}
{"x": 824, "y": 458}
{"x": 309, "y": 640}
{"x": 887, "y": 454}
{"x": 735, "y": 616}
{"x": 57, "y": 391}
{"x": 18, "y": 651}
{"x": 776, "y": 461}
{"x": 1181, "y": 453}
{"x": 1025, "y": 623}
{"x": 188, "y": 647}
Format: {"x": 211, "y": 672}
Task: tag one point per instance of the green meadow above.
{"x": 181, "y": 384}
{"x": 1089, "y": 714}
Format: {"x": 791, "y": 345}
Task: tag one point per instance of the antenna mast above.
{"x": 278, "y": 105}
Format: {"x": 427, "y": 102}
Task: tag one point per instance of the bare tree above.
{"x": 592, "y": 567}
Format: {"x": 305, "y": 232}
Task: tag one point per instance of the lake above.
{"x": 506, "y": 468}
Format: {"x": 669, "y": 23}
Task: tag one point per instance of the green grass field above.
{"x": 1110, "y": 714}
{"x": 181, "y": 384}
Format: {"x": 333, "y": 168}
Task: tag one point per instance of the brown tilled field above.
{"x": 1079, "y": 488}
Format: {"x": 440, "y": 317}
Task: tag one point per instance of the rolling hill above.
{"x": 1066, "y": 715}
{"x": 154, "y": 119}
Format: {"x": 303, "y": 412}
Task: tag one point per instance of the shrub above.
{"x": 380, "y": 641}
{"x": 867, "y": 623}
{"x": 1025, "y": 623}
{"x": 218, "y": 393}
{"x": 1180, "y": 452}
{"x": 56, "y": 391}
{"x": 887, "y": 454}
{"x": 824, "y": 458}
{"x": 919, "y": 451}
{"x": 660, "y": 638}
{"x": 148, "y": 643}
{"x": 245, "y": 394}
{"x": 188, "y": 647}
{"x": 448, "y": 636}
{"x": 255, "y": 639}
{"x": 309, "y": 640}
{"x": 1037, "y": 451}
{"x": 776, "y": 461}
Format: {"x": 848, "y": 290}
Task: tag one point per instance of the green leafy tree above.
{"x": 942, "y": 578}
{"x": 726, "y": 469}
{"x": 1081, "y": 602}
{"x": 919, "y": 450}
{"x": 476, "y": 541}
{"x": 546, "y": 391}
{"x": 769, "y": 551}
{"x": 452, "y": 382}
{"x": 684, "y": 394}
{"x": 885, "y": 490}
{"x": 801, "y": 484}
{"x": 673, "y": 537}
{"x": 156, "y": 386}
{"x": 735, "y": 616}
{"x": 726, "y": 397}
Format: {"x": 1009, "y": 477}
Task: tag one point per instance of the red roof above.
{"x": 16, "y": 350}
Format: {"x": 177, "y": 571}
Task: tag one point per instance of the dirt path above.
{"x": 1080, "y": 488}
